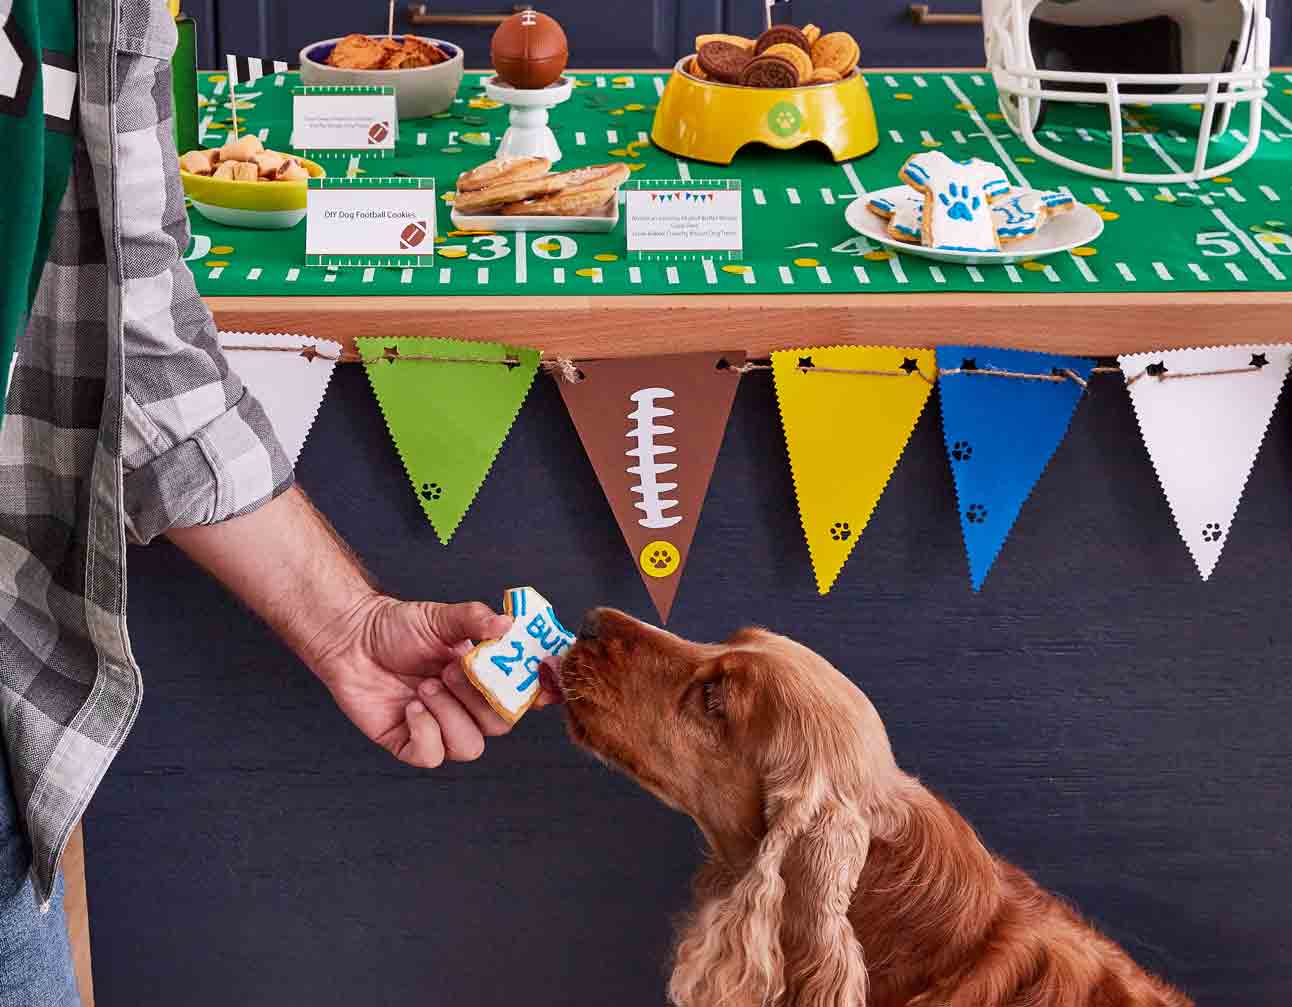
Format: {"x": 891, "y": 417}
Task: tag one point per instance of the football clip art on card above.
{"x": 506, "y": 670}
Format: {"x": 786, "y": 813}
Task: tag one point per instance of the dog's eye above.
{"x": 712, "y": 693}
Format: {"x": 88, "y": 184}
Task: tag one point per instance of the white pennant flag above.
{"x": 290, "y": 386}
{"x": 1203, "y": 415}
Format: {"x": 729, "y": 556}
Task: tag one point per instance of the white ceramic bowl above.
{"x": 419, "y": 91}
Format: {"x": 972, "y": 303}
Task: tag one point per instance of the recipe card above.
{"x": 341, "y": 121}
{"x": 368, "y": 221}
{"x": 671, "y": 216}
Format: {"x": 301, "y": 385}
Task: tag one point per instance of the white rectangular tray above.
{"x": 554, "y": 225}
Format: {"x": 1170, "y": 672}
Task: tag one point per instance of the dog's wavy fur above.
{"x": 833, "y": 878}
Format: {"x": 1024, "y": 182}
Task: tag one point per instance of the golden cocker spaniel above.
{"x": 833, "y": 878}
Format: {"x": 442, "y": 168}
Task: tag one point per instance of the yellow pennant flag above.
{"x": 848, "y": 412}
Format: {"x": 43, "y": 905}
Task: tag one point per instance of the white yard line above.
{"x": 683, "y": 171}
{"x": 522, "y": 258}
{"x": 1049, "y": 273}
{"x": 254, "y": 274}
{"x": 1084, "y": 269}
{"x": 749, "y": 276}
{"x": 659, "y": 86}
{"x": 1013, "y": 274}
{"x": 1127, "y": 275}
{"x": 895, "y": 136}
{"x": 215, "y": 273}
{"x": 786, "y": 276}
{"x": 406, "y": 276}
{"x": 369, "y": 275}
{"x": 853, "y": 180}
{"x": 899, "y": 274}
{"x": 580, "y": 138}
{"x": 955, "y": 89}
{"x": 760, "y": 197}
{"x": 860, "y": 273}
{"x": 612, "y": 136}
{"x": 827, "y": 196}
{"x": 1162, "y": 271}
{"x": 671, "y": 274}
{"x": 1270, "y": 194}
{"x": 1253, "y": 249}
{"x": 1134, "y": 194}
{"x": 1199, "y": 272}
{"x": 445, "y": 274}
{"x": 1170, "y": 162}
{"x": 558, "y": 275}
{"x": 710, "y": 273}
{"x": 937, "y": 274}
{"x": 634, "y": 274}
{"x": 793, "y": 196}
{"x": 975, "y": 273}
{"x": 1278, "y": 116}
{"x": 293, "y": 275}
{"x": 1101, "y": 195}
{"x": 1234, "y": 268}
{"x": 823, "y": 275}
{"x": 1235, "y": 195}
{"x": 421, "y": 139}
{"x": 958, "y": 136}
{"x": 920, "y": 81}
{"x": 482, "y": 276}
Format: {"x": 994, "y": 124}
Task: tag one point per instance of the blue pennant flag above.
{"x": 1001, "y": 433}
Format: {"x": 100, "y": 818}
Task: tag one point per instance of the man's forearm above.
{"x": 286, "y": 563}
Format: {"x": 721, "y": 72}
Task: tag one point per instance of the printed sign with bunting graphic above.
{"x": 1203, "y": 415}
{"x": 448, "y": 415}
{"x": 1004, "y": 413}
{"x": 848, "y": 412}
{"x": 652, "y": 428}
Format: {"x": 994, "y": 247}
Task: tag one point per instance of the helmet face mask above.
{"x": 1094, "y": 66}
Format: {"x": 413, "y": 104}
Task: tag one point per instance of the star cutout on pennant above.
{"x": 511, "y": 363}
{"x": 390, "y": 352}
{"x": 805, "y": 362}
{"x": 969, "y": 364}
{"x": 310, "y": 353}
{"x": 910, "y": 365}
{"x": 1259, "y": 360}
{"x": 1155, "y": 370}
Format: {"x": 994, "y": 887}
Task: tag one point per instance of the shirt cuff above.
{"x": 229, "y": 467}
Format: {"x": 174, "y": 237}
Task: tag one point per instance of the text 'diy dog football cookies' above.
{"x": 506, "y": 671}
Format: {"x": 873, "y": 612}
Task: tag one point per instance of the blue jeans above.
{"x": 35, "y": 960}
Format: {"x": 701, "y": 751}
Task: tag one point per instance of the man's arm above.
{"x": 392, "y": 666}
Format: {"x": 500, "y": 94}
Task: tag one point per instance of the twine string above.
{"x": 567, "y": 369}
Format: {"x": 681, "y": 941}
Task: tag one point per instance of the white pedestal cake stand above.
{"x": 529, "y": 135}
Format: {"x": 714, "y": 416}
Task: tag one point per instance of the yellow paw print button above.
{"x": 660, "y": 559}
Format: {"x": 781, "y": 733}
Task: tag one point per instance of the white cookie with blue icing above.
{"x": 959, "y": 196}
{"x": 1024, "y": 212}
{"x": 506, "y": 670}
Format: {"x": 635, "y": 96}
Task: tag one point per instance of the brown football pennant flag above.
{"x": 652, "y": 427}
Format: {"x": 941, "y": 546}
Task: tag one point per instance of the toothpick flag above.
{"x": 652, "y": 428}
{"x": 1001, "y": 432}
{"x": 449, "y": 415}
{"x": 848, "y": 412}
{"x": 1203, "y": 415}
{"x": 289, "y": 386}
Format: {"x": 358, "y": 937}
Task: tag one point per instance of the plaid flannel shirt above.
{"x": 123, "y": 421}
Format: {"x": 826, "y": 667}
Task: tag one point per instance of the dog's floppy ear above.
{"x": 756, "y": 945}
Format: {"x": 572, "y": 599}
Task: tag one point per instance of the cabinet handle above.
{"x": 417, "y": 14}
{"x": 921, "y": 17}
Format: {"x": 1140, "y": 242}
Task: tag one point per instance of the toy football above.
{"x": 529, "y": 50}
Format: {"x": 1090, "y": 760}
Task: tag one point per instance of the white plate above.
{"x": 1080, "y": 226}
{"x": 553, "y": 225}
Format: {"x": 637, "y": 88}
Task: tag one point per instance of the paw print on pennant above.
{"x": 962, "y": 451}
{"x": 1211, "y": 532}
{"x": 976, "y": 514}
{"x": 959, "y": 204}
{"x": 431, "y": 491}
{"x": 841, "y": 531}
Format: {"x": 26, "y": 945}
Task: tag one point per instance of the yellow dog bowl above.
{"x": 265, "y": 206}
{"x": 709, "y": 121}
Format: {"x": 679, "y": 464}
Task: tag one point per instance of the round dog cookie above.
{"x": 502, "y": 169}
{"x": 837, "y": 51}
{"x": 770, "y": 71}
{"x": 740, "y": 40}
{"x": 781, "y": 33}
{"x": 787, "y": 51}
{"x": 693, "y": 68}
{"x": 824, "y": 75}
{"x": 723, "y": 61}
{"x": 480, "y": 200}
{"x": 811, "y": 32}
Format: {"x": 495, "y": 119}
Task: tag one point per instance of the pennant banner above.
{"x": 848, "y": 412}
{"x": 447, "y": 419}
{"x": 1001, "y": 432}
{"x": 652, "y": 428}
{"x": 1203, "y": 430}
{"x": 289, "y": 386}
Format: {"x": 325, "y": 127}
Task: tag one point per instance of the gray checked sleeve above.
{"x": 197, "y": 447}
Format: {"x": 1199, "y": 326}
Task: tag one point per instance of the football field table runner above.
{"x": 1176, "y": 265}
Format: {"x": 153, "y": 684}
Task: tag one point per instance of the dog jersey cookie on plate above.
{"x": 1023, "y": 212}
{"x": 903, "y": 208}
{"x": 506, "y": 670}
{"x": 957, "y": 210}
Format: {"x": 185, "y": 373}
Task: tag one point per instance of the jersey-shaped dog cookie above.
{"x": 959, "y": 194}
{"x": 506, "y": 670}
{"x": 1023, "y": 212}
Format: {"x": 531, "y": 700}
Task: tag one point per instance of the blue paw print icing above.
{"x": 960, "y": 205}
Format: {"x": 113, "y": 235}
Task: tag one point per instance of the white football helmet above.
{"x": 1204, "y": 57}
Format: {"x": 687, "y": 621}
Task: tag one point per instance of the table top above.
{"x": 1176, "y": 266}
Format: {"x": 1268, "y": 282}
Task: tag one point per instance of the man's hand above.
{"x": 392, "y": 666}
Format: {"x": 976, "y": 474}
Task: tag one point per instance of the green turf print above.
{"x": 784, "y": 119}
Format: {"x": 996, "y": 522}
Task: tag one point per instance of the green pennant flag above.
{"x": 448, "y": 416}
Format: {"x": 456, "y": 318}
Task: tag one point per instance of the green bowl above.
{"x": 265, "y": 206}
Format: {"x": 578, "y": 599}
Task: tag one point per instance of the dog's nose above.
{"x": 591, "y": 624}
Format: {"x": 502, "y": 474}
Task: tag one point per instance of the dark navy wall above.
{"x": 1106, "y": 721}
